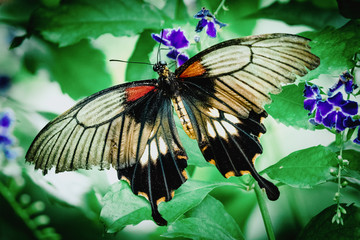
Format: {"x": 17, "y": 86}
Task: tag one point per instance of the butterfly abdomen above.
{"x": 184, "y": 117}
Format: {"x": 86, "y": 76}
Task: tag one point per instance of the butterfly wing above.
{"x": 224, "y": 90}
{"x": 160, "y": 169}
{"x": 128, "y": 126}
{"x": 244, "y": 71}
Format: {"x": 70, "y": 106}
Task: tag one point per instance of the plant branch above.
{"x": 219, "y": 7}
{"x": 264, "y": 212}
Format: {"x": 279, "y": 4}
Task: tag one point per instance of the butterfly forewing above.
{"x": 89, "y": 133}
{"x": 250, "y": 68}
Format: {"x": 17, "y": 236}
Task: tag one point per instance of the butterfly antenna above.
{"x": 172, "y": 63}
{"x": 159, "y": 48}
{"x": 123, "y": 61}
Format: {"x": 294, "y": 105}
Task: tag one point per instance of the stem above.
{"x": 264, "y": 212}
{"x": 219, "y": 7}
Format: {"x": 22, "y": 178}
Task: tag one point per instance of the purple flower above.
{"x": 335, "y": 110}
{"x": 6, "y": 138}
{"x": 357, "y": 139}
{"x": 351, "y": 123}
{"x": 209, "y": 21}
{"x": 312, "y": 95}
{"x": 345, "y": 79}
{"x": 175, "y": 40}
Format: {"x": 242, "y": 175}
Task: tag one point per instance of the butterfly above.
{"x": 219, "y": 97}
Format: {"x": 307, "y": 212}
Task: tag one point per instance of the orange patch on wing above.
{"x": 134, "y": 93}
{"x": 244, "y": 172}
{"x": 229, "y": 174}
{"x": 160, "y": 200}
{"x": 182, "y": 157}
{"x": 184, "y": 174}
{"x": 204, "y": 148}
{"x": 172, "y": 194}
{"x": 125, "y": 179}
{"x": 212, "y": 161}
{"x": 195, "y": 69}
{"x": 254, "y": 158}
{"x": 144, "y": 195}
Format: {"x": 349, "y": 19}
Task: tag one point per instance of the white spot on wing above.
{"x": 231, "y": 118}
{"x": 162, "y": 145}
{"x": 211, "y": 130}
{"x": 214, "y": 112}
{"x": 230, "y": 128}
{"x": 220, "y": 129}
{"x": 154, "y": 154}
{"x": 145, "y": 157}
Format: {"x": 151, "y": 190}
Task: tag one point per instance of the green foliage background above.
{"x": 59, "y": 52}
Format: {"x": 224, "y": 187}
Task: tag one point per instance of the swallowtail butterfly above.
{"x": 219, "y": 96}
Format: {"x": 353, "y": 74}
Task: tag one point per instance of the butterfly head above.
{"x": 161, "y": 68}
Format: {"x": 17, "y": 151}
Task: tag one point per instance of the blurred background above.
{"x": 47, "y": 63}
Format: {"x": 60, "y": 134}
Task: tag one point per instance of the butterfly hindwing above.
{"x": 161, "y": 168}
{"x": 229, "y": 142}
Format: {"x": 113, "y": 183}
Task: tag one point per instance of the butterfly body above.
{"x": 219, "y": 97}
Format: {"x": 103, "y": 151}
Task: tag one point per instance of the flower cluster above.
{"x": 175, "y": 40}
{"x": 209, "y": 21}
{"x": 6, "y": 139}
{"x": 333, "y": 111}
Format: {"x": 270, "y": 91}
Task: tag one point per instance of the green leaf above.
{"x": 79, "y": 69}
{"x": 320, "y": 226}
{"x": 335, "y": 48}
{"x": 122, "y": 207}
{"x": 237, "y": 24}
{"x": 17, "y": 13}
{"x": 188, "y": 196}
{"x": 301, "y": 13}
{"x": 195, "y": 228}
{"x": 176, "y": 10}
{"x": 75, "y": 20}
{"x": 48, "y": 115}
{"x": 288, "y": 107}
{"x": 304, "y": 168}
{"x": 208, "y": 220}
{"x": 144, "y": 46}
{"x": 214, "y": 210}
